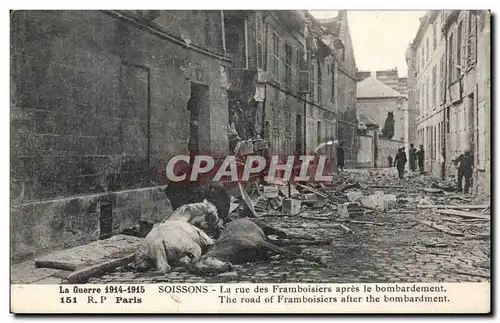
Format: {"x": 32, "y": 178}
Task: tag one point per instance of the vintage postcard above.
{"x": 250, "y": 161}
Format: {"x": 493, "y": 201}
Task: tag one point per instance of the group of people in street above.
{"x": 465, "y": 163}
{"x": 400, "y": 160}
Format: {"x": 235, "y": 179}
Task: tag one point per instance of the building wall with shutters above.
{"x": 462, "y": 118}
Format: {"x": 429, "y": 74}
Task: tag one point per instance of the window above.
{"x": 451, "y": 60}
{"x": 313, "y": 81}
{"x": 471, "y": 40}
{"x": 288, "y": 65}
{"x": 320, "y": 87}
{"x": 424, "y": 99}
{"x": 418, "y": 98}
{"x": 259, "y": 32}
{"x": 448, "y": 120}
{"x": 418, "y": 63}
{"x": 434, "y": 35}
{"x": 459, "y": 50}
{"x": 428, "y": 53}
{"x": 275, "y": 56}
{"x": 434, "y": 86}
{"x": 429, "y": 94}
{"x": 424, "y": 49}
{"x": 304, "y": 72}
{"x": 422, "y": 58}
{"x": 422, "y": 104}
{"x": 318, "y": 133}
{"x": 333, "y": 81}
{"x": 442, "y": 78}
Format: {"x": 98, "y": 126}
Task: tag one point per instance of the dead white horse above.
{"x": 202, "y": 215}
{"x": 171, "y": 243}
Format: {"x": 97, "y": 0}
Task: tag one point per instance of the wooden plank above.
{"x": 55, "y": 264}
{"x": 368, "y": 222}
{"x": 83, "y": 275}
{"x": 320, "y": 194}
{"x": 315, "y": 217}
{"x": 289, "y": 242}
{"x": 463, "y": 206}
{"x": 441, "y": 228}
{"x": 463, "y": 214}
{"x": 387, "y": 186}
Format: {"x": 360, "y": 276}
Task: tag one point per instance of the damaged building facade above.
{"x": 101, "y": 100}
{"x": 450, "y": 64}
{"x": 289, "y": 78}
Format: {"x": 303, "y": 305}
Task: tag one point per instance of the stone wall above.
{"x": 365, "y": 151}
{"x": 388, "y": 148}
{"x": 98, "y": 106}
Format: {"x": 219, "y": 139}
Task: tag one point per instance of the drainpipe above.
{"x": 305, "y": 124}
{"x": 445, "y": 110}
{"x": 223, "y": 31}
{"x": 246, "y": 42}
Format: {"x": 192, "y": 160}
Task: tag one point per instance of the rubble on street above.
{"x": 368, "y": 225}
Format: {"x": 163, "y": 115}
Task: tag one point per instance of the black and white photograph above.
{"x": 250, "y": 146}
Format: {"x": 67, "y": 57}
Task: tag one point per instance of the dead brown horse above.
{"x": 240, "y": 241}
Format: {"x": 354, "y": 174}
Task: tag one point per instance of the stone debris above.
{"x": 382, "y": 217}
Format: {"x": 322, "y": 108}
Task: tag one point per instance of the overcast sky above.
{"x": 380, "y": 38}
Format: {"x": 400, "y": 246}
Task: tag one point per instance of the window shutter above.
{"x": 259, "y": 40}
{"x": 474, "y": 38}
{"x": 304, "y": 73}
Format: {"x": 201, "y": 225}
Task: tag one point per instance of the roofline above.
{"x": 382, "y": 97}
{"x": 428, "y": 19}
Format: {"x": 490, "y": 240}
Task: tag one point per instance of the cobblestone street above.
{"x": 394, "y": 247}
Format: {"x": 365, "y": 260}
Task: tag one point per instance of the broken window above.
{"x": 275, "y": 121}
{"x": 288, "y": 65}
{"x": 275, "y": 56}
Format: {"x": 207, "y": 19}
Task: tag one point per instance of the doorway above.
{"x": 298, "y": 136}
{"x": 199, "y": 120}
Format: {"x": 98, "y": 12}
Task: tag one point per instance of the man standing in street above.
{"x": 413, "y": 158}
{"x": 340, "y": 157}
{"x": 400, "y": 162}
{"x": 420, "y": 158}
{"x": 465, "y": 166}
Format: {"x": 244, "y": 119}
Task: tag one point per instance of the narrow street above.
{"x": 394, "y": 245}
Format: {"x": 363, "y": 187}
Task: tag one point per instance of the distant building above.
{"x": 376, "y": 100}
{"x": 400, "y": 84}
